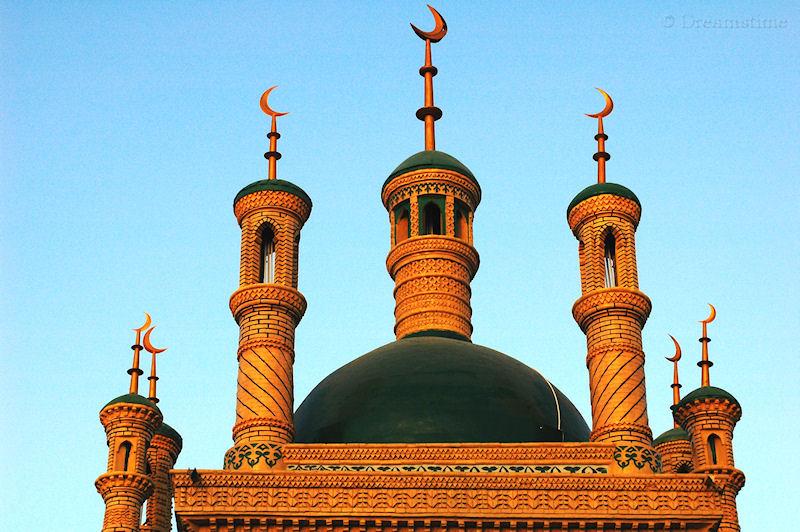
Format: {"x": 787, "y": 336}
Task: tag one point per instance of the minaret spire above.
{"x": 676, "y": 385}
{"x": 273, "y": 154}
{"x": 705, "y": 363}
{"x": 153, "y": 352}
{"x": 430, "y": 113}
{"x": 602, "y": 156}
{"x": 135, "y": 371}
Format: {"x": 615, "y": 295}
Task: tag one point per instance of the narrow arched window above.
{"x": 610, "y": 260}
{"x": 713, "y": 447}
{"x": 123, "y": 458}
{"x": 267, "y": 256}
{"x": 461, "y": 229}
{"x": 432, "y": 224}
{"x": 402, "y": 225}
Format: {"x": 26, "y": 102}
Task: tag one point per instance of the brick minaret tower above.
{"x": 612, "y": 311}
{"x": 709, "y": 414}
{"x": 267, "y": 307}
{"x": 164, "y": 449}
{"x": 129, "y": 422}
{"x": 673, "y": 445}
{"x": 431, "y": 198}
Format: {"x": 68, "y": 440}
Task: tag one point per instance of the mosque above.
{"x": 431, "y": 432}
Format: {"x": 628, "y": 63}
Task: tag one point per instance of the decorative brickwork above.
{"x": 161, "y": 456}
{"x": 432, "y": 276}
{"x": 267, "y": 315}
{"x": 129, "y": 428}
{"x": 612, "y": 318}
{"x": 676, "y": 456}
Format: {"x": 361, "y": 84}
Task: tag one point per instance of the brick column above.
{"x": 161, "y": 456}
{"x": 267, "y": 315}
{"x": 125, "y": 486}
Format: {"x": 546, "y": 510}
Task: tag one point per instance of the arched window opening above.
{"x": 713, "y": 446}
{"x": 402, "y": 224}
{"x": 267, "y": 274}
{"x": 432, "y": 219}
{"x": 461, "y": 229}
{"x": 610, "y": 255}
{"x": 123, "y": 459}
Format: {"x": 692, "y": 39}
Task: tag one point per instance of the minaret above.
{"x": 673, "y": 445}
{"x": 130, "y": 422}
{"x": 164, "y": 449}
{"x": 267, "y": 307}
{"x": 612, "y": 311}
{"x": 709, "y": 415}
{"x": 431, "y": 198}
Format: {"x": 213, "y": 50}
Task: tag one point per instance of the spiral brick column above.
{"x": 267, "y": 314}
{"x": 612, "y": 318}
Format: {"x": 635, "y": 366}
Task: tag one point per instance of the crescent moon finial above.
{"x": 678, "y": 353}
{"x": 148, "y": 346}
{"x": 607, "y": 109}
{"x": 711, "y": 317}
{"x": 264, "y": 102}
{"x": 439, "y": 30}
{"x": 147, "y": 322}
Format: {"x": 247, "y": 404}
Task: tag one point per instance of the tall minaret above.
{"x": 130, "y": 422}
{"x": 709, "y": 414}
{"x": 267, "y": 307}
{"x": 612, "y": 311}
{"x": 673, "y": 445}
{"x": 162, "y": 453}
{"x": 431, "y": 198}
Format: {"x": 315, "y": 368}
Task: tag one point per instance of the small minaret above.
{"x": 674, "y": 445}
{"x": 130, "y": 422}
{"x": 431, "y": 198}
{"x": 267, "y": 307}
{"x": 612, "y": 311}
{"x": 709, "y": 415}
{"x": 162, "y": 454}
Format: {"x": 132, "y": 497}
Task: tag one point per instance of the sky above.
{"x": 126, "y": 129}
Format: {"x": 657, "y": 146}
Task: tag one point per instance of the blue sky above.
{"x": 126, "y": 129}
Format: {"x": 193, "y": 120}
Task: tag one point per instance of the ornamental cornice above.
{"x": 432, "y": 247}
{"x": 689, "y": 413}
{"x": 262, "y": 422}
{"x": 253, "y": 295}
{"x": 322, "y": 480}
{"x": 450, "y": 453}
{"x": 147, "y": 417}
{"x": 603, "y": 205}
{"x": 166, "y": 444}
{"x": 272, "y": 199}
{"x": 138, "y": 485}
{"x": 604, "y": 299}
{"x": 430, "y": 182}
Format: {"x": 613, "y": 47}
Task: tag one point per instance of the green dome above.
{"x": 707, "y": 392}
{"x": 437, "y": 390}
{"x": 672, "y": 435}
{"x": 168, "y": 432}
{"x": 133, "y": 398}
{"x": 431, "y": 159}
{"x": 273, "y": 184}
{"x": 603, "y": 188}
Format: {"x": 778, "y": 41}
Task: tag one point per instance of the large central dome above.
{"x": 437, "y": 390}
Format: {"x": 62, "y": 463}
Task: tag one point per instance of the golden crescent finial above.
{"x": 265, "y": 103}
{"x": 148, "y": 346}
{"x": 147, "y": 322}
{"x": 678, "y": 353}
{"x": 607, "y": 109}
{"x": 711, "y": 317}
{"x": 439, "y": 30}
